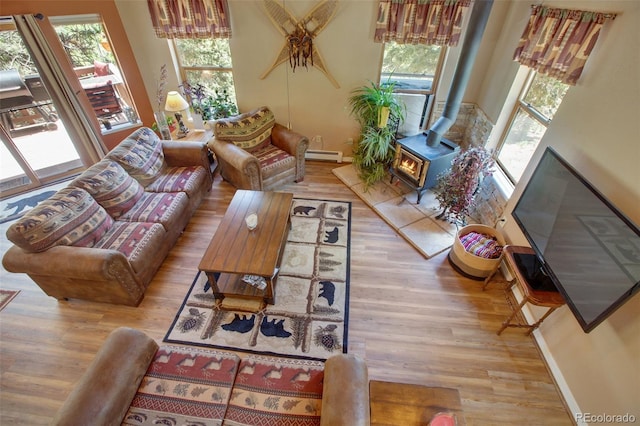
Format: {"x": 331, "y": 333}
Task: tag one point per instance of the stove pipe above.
{"x": 472, "y": 38}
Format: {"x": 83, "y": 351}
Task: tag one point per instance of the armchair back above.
{"x": 257, "y": 153}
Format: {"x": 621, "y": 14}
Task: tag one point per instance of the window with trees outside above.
{"x": 538, "y": 102}
{"x": 207, "y": 62}
{"x": 92, "y": 56}
{"x": 414, "y": 68}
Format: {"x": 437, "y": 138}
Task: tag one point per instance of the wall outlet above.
{"x": 350, "y": 141}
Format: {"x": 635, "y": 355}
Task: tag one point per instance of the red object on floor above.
{"x": 443, "y": 419}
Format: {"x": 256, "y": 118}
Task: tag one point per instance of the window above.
{"x": 91, "y": 54}
{"x": 206, "y": 62}
{"x": 540, "y": 99}
{"x": 414, "y": 68}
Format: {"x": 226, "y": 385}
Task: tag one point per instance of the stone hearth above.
{"x": 396, "y": 204}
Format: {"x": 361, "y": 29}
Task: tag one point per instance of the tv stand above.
{"x": 537, "y": 287}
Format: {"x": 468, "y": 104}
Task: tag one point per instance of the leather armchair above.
{"x": 256, "y": 153}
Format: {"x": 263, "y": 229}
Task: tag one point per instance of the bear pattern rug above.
{"x": 310, "y": 314}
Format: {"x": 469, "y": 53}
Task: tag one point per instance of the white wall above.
{"x": 596, "y": 129}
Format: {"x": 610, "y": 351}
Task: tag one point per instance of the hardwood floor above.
{"x": 413, "y": 320}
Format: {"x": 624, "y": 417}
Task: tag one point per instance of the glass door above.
{"x": 87, "y": 45}
{"x": 36, "y": 149}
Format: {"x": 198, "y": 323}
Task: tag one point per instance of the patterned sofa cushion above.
{"x": 249, "y": 131}
{"x": 111, "y": 186}
{"x": 70, "y": 217}
{"x": 179, "y": 179}
{"x": 141, "y": 155}
{"x": 164, "y": 208}
{"x": 279, "y": 391}
{"x": 274, "y": 161}
{"x": 184, "y": 386}
{"x": 136, "y": 240}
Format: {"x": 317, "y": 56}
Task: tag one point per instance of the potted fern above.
{"x": 375, "y": 107}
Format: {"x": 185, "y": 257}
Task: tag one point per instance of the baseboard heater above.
{"x": 314, "y": 154}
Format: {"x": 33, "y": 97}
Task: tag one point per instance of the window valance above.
{"x": 190, "y": 18}
{"x": 420, "y": 21}
{"x": 558, "y": 42}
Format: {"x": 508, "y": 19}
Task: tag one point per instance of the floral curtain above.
{"x": 420, "y": 21}
{"x": 557, "y": 42}
{"x": 190, "y": 18}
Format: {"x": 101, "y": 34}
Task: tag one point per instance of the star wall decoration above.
{"x": 298, "y": 47}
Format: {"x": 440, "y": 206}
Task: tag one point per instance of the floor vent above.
{"x": 314, "y": 154}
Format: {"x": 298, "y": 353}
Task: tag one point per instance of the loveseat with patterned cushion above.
{"x": 133, "y": 381}
{"x": 256, "y": 153}
{"x": 104, "y": 236}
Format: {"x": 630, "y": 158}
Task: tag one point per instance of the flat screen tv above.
{"x": 587, "y": 247}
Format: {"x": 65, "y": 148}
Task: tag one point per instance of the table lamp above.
{"x": 176, "y": 103}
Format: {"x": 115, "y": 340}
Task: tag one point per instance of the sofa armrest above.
{"x": 287, "y": 140}
{"x": 103, "y": 394}
{"x": 345, "y": 393}
{"x": 237, "y": 165}
{"x": 187, "y": 153}
{"x": 75, "y": 262}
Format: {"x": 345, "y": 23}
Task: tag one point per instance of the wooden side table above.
{"x": 540, "y": 292}
{"x": 196, "y": 135}
{"x": 403, "y": 404}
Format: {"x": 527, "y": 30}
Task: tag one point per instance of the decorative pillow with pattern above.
{"x": 111, "y": 186}
{"x": 249, "y": 131}
{"x": 141, "y": 155}
{"x": 481, "y": 245}
{"x": 70, "y": 217}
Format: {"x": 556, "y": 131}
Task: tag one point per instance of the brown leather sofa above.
{"x": 256, "y": 153}
{"x": 129, "y": 360}
{"x": 104, "y": 236}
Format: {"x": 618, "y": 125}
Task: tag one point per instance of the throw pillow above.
{"x": 111, "y": 186}
{"x": 70, "y": 217}
{"x": 141, "y": 155}
{"x": 100, "y": 68}
{"x": 249, "y": 131}
{"x": 481, "y": 245}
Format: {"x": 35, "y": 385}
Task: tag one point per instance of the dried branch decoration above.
{"x": 300, "y": 45}
{"x": 162, "y": 82}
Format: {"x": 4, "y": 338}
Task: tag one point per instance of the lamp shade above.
{"x": 175, "y": 102}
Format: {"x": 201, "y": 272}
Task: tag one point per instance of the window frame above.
{"x": 182, "y": 69}
{"x": 529, "y": 110}
{"x": 430, "y": 94}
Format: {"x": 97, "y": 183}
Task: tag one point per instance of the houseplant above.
{"x": 378, "y": 112}
{"x": 456, "y": 188}
{"x": 209, "y": 107}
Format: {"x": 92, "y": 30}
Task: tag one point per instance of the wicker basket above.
{"x": 468, "y": 264}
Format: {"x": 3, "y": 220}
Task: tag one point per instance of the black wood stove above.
{"x": 418, "y": 164}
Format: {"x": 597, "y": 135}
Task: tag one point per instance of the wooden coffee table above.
{"x": 236, "y": 252}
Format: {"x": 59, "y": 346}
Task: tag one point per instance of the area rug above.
{"x": 310, "y": 315}
{"x": 15, "y": 207}
{"x": 396, "y": 204}
{"x": 7, "y": 296}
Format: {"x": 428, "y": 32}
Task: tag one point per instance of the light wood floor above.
{"x": 413, "y": 320}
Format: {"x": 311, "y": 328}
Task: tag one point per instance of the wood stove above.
{"x": 418, "y": 164}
